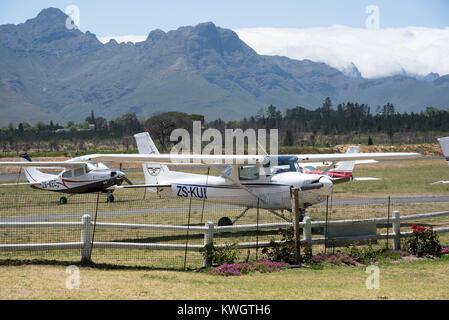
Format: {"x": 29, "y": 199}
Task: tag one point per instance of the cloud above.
{"x": 376, "y": 53}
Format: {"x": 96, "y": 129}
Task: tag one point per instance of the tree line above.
{"x": 296, "y": 126}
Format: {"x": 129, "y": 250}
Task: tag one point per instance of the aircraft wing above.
{"x": 354, "y": 156}
{"x": 326, "y": 164}
{"x": 18, "y": 184}
{"x": 200, "y": 159}
{"x": 240, "y": 159}
{"x": 441, "y": 182}
{"x": 143, "y": 186}
{"x": 44, "y": 164}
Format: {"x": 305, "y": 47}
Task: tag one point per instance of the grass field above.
{"x": 145, "y": 274}
{"x": 407, "y": 280}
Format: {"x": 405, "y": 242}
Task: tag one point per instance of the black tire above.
{"x": 110, "y": 197}
{"x": 224, "y": 221}
{"x": 62, "y": 200}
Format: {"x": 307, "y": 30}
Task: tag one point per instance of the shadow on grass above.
{"x": 99, "y": 266}
{"x": 184, "y": 237}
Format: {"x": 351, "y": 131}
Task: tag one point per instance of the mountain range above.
{"x": 50, "y": 72}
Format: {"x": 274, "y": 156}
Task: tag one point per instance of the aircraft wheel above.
{"x": 224, "y": 221}
{"x": 110, "y": 197}
{"x": 63, "y": 200}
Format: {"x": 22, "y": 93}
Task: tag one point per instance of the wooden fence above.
{"x": 209, "y": 229}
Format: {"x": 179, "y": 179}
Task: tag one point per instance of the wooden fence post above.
{"x": 208, "y": 239}
{"x": 85, "y": 239}
{"x": 307, "y": 233}
{"x": 396, "y": 226}
{"x": 295, "y": 213}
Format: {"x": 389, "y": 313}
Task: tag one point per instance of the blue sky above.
{"x": 140, "y": 17}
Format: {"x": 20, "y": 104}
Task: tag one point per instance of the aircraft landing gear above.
{"x": 224, "y": 221}
{"x": 110, "y": 197}
{"x": 302, "y": 214}
{"x": 62, "y": 200}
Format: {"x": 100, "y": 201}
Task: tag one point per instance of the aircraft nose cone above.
{"x": 327, "y": 183}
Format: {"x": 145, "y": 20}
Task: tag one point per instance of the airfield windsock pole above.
{"x": 295, "y": 212}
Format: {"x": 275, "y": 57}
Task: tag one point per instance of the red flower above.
{"x": 413, "y": 226}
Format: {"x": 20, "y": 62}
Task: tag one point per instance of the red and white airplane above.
{"x": 343, "y": 170}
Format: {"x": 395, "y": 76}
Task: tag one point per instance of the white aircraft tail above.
{"x": 154, "y": 172}
{"x": 347, "y": 166}
{"x": 32, "y": 174}
{"x": 444, "y": 143}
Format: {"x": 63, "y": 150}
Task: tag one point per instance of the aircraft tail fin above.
{"x": 444, "y": 143}
{"x": 347, "y": 166}
{"x": 154, "y": 172}
{"x": 32, "y": 174}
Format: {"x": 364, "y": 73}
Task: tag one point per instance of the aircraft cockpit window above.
{"x": 280, "y": 169}
{"x": 297, "y": 167}
{"x": 228, "y": 170}
{"x": 89, "y": 167}
{"x": 67, "y": 174}
{"x": 282, "y": 164}
{"x": 78, "y": 172}
{"x": 248, "y": 173}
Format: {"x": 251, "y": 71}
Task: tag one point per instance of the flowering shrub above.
{"x": 338, "y": 259}
{"x": 402, "y": 253}
{"x": 424, "y": 241}
{"x": 444, "y": 250}
{"x": 237, "y": 269}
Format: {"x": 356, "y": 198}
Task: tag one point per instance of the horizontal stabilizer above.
{"x": 365, "y": 179}
{"x": 18, "y": 184}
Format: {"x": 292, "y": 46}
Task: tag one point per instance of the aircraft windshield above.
{"x": 228, "y": 170}
{"x": 284, "y": 164}
{"x": 95, "y": 165}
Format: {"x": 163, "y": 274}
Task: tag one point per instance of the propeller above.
{"x": 324, "y": 181}
{"x": 122, "y": 178}
{"x": 311, "y": 186}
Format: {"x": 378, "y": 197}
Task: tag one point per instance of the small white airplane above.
{"x": 249, "y": 181}
{"x": 78, "y": 176}
{"x": 444, "y": 143}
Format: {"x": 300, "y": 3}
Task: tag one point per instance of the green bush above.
{"x": 364, "y": 255}
{"x": 218, "y": 256}
{"x": 284, "y": 251}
